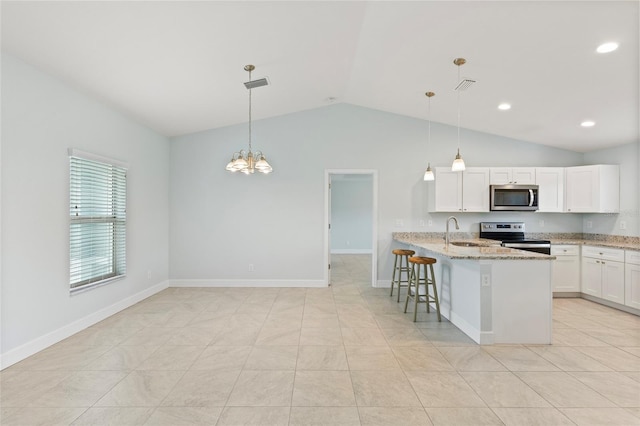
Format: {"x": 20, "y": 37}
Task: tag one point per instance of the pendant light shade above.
{"x": 428, "y": 174}
{"x": 248, "y": 162}
{"x": 458, "y": 163}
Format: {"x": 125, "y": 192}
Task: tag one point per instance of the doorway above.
{"x": 351, "y": 206}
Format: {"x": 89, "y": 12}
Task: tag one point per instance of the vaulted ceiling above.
{"x": 178, "y": 66}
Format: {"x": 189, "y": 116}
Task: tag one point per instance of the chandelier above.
{"x": 248, "y": 162}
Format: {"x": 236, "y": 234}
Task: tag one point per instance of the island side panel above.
{"x": 459, "y": 292}
{"x": 522, "y": 301}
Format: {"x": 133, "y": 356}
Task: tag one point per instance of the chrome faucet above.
{"x": 446, "y": 235}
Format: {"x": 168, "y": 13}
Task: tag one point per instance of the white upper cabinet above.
{"x": 466, "y": 191}
{"x": 550, "y": 181}
{"x": 593, "y": 189}
{"x": 513, "y": 175}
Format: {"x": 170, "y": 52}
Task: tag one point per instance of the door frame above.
{"x": 374, "y": 219}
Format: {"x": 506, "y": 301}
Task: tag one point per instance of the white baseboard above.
{"x": 246, "y": 283}
{"x": 36, "y": 345}
{"x": 383, "y": 284}
{"x": 351, "y": 251}
{"x": 470, "y": 330}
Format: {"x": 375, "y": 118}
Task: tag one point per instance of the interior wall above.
{"x": 41, "y": 119}
{"x": 628, "y": 157}
{"x": 222, "y": 222}
{"x": 352, "y": 214}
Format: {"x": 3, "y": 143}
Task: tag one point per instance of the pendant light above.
{"x": 249, "y": 162}
{"x": 458, "y": 162}
{"x": 428, "y": 174}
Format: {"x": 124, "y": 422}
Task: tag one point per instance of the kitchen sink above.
{"x": 465, "y": 244}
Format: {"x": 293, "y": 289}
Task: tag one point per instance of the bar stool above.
{"x": 425, "y": 279}
{"x": 401, "y": 257}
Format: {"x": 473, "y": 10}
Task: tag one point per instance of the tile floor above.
{"x": 345, "y": 355}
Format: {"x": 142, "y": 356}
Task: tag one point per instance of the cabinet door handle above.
{"x": 597, "y": 261}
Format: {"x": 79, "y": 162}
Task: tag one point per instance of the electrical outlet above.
{"x": 421, "y": 223}
{"x": 430, "y": 222}
{"x": 399, "y": 223}
{"x": 623, "y": 224}
{"x": 486, "y": 280}
{"x": 251, "y": 267}
{"x": 348, "y": 243}
{"x": 149, "y": 274}
{"x": 589, "y": 224}
{"x": 541, "y": 223}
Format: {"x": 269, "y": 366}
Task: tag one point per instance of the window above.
{"x": 97, "y": 229}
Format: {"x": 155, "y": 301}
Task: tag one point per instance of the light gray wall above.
{"x": 352, "y": 214}
{"x": 41, "y": 118}
{"x": 628, "y": 157}
{"x": 222, "y": 222}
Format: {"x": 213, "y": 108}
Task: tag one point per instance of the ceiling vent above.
{"x": 256, "y": 83}
{"x": 464, "y": 84}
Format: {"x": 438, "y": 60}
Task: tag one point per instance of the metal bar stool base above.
{"x": 421, "y": 277}
{"x": 400, "y": 266}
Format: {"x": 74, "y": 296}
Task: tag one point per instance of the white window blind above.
{"x": 97, "y": 231}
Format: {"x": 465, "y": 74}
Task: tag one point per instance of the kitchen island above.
{"x": 492, "y": 293}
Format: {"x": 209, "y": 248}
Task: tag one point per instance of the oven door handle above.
{"x": 530, "y": 197}
{"x": 525, "y": 245}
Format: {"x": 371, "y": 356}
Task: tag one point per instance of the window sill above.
{"x": 87, "y": 287}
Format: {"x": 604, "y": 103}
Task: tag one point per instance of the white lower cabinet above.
{"x": 613, "y": 281}
{"x": 632, "y": 279}
{"x": 566, "y": 268}
{"x": 603, "y": 273}
{"x": 591, "y": 277}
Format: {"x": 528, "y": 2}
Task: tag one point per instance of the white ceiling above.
{"x": 178, "y": 66}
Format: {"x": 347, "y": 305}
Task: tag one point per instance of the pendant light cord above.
{"x": 458, "y": 109}
{"x": 249, "y": 112}
{"x": 429, "y": 133}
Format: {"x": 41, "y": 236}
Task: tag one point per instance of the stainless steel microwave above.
{"x": 514, "y": 197}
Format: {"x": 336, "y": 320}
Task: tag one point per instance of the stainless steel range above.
{"x": 512, "y": 235}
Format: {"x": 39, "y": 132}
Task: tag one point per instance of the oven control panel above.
{"x": 502, "y": 227}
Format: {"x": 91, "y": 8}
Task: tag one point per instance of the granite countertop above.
{"x": 486, "y": 249}
{"x": 597, "y": 240}
{"x": 597, "y": 243}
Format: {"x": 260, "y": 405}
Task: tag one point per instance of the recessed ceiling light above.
{"x": 607, "y": 47}
{"x": 504, "y": 106}
{"x": 588, "y": 123}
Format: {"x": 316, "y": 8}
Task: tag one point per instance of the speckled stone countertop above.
{"x": 597, "y": 240}
{"x": 486, "y": 249}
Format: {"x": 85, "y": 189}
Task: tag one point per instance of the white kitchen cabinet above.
{"x": 632, "y": 279}
{"x": 466, "y": 191}
{"x": 566, "y": 268}
{"x": 591, "y": 277}
{"x": 593, "y": 189}
{"x": 550, "y": 181}
{"x": 512, "y": 175}
{"x": 603, "y": 273}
